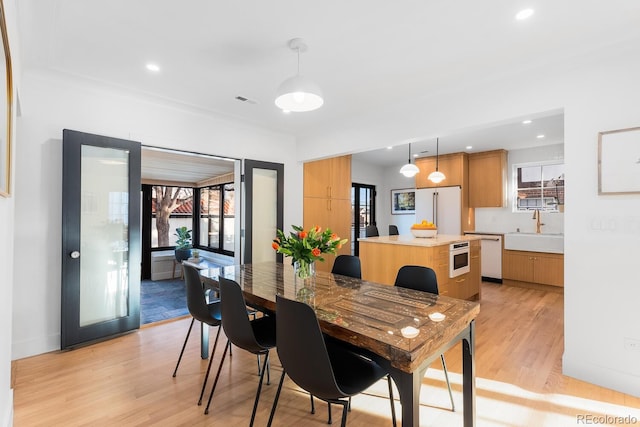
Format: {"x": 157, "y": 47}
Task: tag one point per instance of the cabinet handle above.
{"x": 460, "y": 280}
{"x": 329, "y": 205}
{"x": 329, "y": 191}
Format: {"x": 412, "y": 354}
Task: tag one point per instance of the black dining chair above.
{"x": 371, "y": 231}
{"x": 423, "y": 279}
{"x": 256, "y": 336}
{"x": 347, "y": 265}
{"x": 324, "y": 369}
{"x": 393, "y": 230}
{"x": 209, "y": 313}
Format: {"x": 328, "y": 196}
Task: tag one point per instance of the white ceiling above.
{"x": 364, "y": 54}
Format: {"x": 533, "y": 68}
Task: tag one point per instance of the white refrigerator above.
{"x": 442, "y": 206}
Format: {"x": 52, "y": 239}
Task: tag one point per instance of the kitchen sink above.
{"x": 533, "y": 242}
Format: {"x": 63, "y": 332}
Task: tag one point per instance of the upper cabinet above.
{"x": 488, "y": 179}
{"x": 327, "y": 200}
{"x": 453, "y": 166}
{"x": 329, "y": 179}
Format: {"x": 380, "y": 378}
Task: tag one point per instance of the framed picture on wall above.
{"x": 403, "y": 201}
{"x": 619, "y": 161}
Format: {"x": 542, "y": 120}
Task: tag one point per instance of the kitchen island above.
{"x": 382, "y": 257}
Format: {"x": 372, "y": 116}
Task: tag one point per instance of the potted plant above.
{"x": 183, "y": 243}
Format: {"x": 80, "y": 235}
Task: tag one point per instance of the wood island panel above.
{"x": 381, "y": 258}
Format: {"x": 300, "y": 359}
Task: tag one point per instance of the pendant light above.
{"x": 298, "y": 93}
{"x": 409, "y": 170}
{"x": 436, "y": 177}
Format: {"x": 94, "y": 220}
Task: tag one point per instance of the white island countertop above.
{"x": 409, "y": 240}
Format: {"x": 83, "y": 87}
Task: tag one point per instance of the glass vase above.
{"x": 304, "y": 276}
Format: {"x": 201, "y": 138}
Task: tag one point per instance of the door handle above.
{"x": 75, "y": 254}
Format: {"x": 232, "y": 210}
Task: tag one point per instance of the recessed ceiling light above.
{"x": 469, "y": 147}
{"x": 153, "y": 67}
{"x": 524, "y": 14}
{"x": 540, "y": 136}
{"x": 389, "y": 148}
{"x": 526, "y": 122}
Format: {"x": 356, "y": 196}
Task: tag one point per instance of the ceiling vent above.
{"x": 247, "y": 100}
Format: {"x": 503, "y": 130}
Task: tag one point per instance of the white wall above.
{"x": 7, "y": 220}
{"x": 598, "y": 92}
{"x": 503, "y": 220}
{"x": 51, "y": 103}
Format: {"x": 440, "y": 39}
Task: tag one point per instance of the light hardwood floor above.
{"x": 127, "y": 381}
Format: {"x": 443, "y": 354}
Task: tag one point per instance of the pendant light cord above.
{"x": 409, "y": 159}
{"x": 437, "y": 152}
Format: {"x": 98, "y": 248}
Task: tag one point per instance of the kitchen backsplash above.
{"x": 502, "y": 220}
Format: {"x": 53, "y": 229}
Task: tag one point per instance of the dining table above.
{"x": 403, "y": 330}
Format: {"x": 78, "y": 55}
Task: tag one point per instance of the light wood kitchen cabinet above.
{"x": 475, "y": 275}
{"x": 327, "y": 201}
{"x": 382, "y": 257}
{"x": 488, "y": 179}
{"x": 330, "y": 178}
{"x": 533, "y": 267}
{"x": 467, "y": 286}
{"x": 453, "y": 166}
{"x": 440, "y": 266}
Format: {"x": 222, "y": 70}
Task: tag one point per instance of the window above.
{"x": 217, "y": 218}
{"x": 171, "y": 207}
{"x": 539, "y": 186}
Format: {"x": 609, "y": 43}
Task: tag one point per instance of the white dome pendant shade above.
{"x": 436, "y": 176}
{"x": 409, "y": 170}
{"x": 298, "y": 93}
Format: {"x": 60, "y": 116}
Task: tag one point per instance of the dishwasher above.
{"x": 491, "y": 258}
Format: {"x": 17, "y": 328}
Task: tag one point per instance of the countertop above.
{"x": 409, "y": 240}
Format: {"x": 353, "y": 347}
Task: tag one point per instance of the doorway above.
{"x": 363, "y": 207}
{"x": 187, "y": 189}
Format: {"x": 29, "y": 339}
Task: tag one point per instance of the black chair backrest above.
{"x": 235, "y": 322}
{"x": 393, "y": 230}
{"x": 196, "y": 300}
{"x": 347, "y": 265}
{"x": 302, "y": 350}
{"x": 371, "y": 231}
{"x": 417, "y": 277}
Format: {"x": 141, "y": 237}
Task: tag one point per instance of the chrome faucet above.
{"x": 536, "y": 216}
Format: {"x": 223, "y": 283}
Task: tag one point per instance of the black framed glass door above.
{"x": 100, "y": 237}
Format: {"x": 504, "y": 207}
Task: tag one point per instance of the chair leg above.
{"x": 175, "y": 371}
{"x": 446, "y": 375}
{"x": 206, "y": 377}
{"x": 345, "y": 411}
{"x": 215, "y": 382}
{"x": 255, "y": 404}
{"x": 275, "y": 400}
{"x": 393, "y": 406}
{"x": 313, "y": 406}
{"x": 330, "y": 420}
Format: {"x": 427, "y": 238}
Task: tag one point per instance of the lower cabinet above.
{"x": 329, "y": 213}
{"x": 465, "y": 286}
{"x": 381, "y": 262}
{"x": 533, "y": 267}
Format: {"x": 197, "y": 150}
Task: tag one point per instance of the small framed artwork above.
{"x": 619, "y": 161}
{"x": 403, "y": 201}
